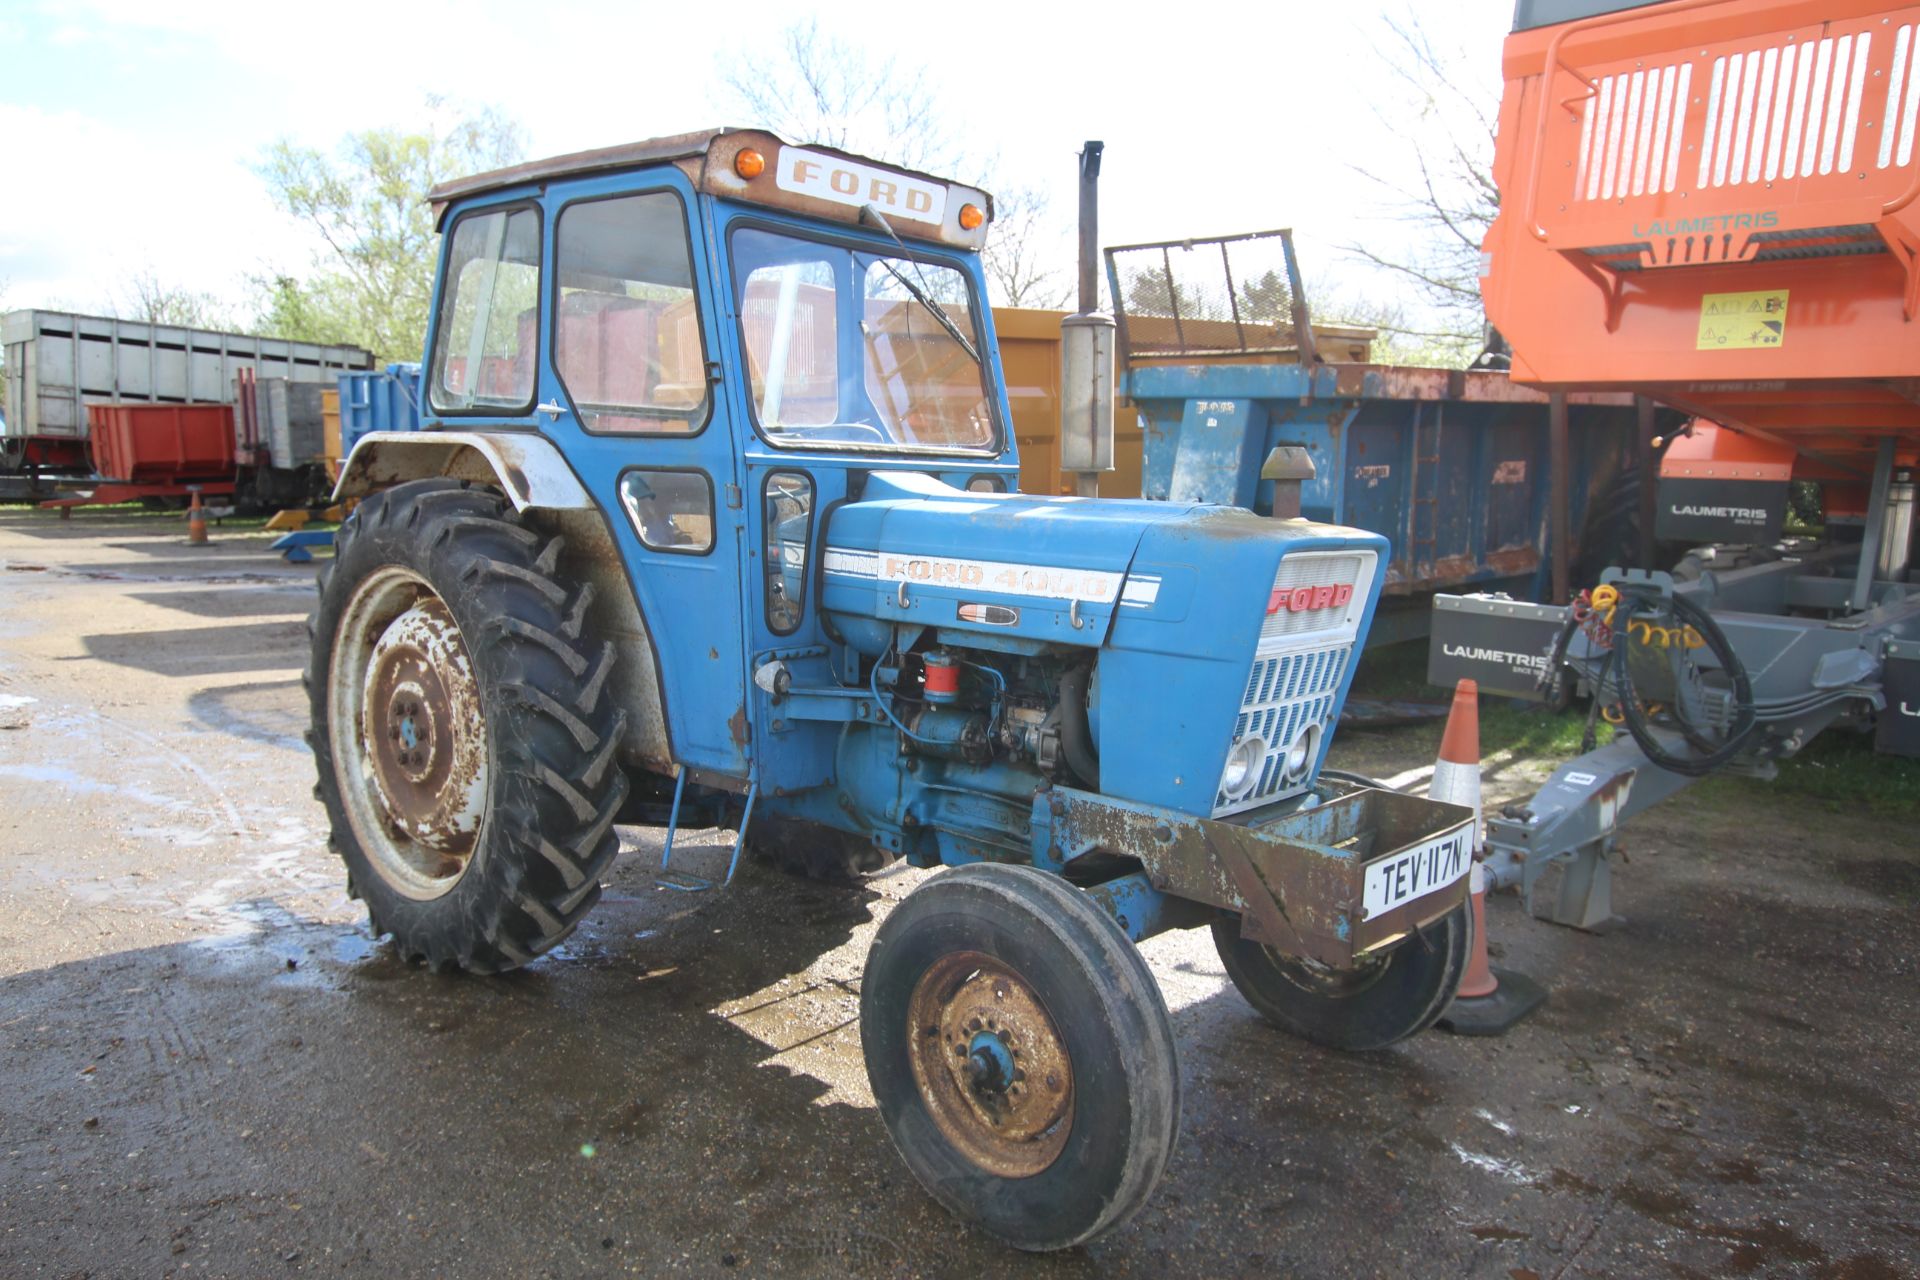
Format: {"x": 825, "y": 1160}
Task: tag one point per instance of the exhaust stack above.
{"x": 1086, "y": 352}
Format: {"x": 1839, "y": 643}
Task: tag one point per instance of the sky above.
{"x": 131, "y": 127}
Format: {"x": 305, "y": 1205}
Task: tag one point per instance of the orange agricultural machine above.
{"x": 1714, "y": 204}
{"x": 1717, "y": 203}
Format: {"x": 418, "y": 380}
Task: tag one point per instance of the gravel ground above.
{"x": 211, "y": 1069}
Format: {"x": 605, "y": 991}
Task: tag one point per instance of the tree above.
{"x": 821, "y": 88}
{"x": 144, "y": 296}
{"x": 1445, "y": 110}
{"x": 1022, "y": 250}
{"x": 371, "y": 279}
{"x": 1154, "y": 292}
{"x": 1267, "y": 300}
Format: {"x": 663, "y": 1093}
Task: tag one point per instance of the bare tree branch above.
{"x": 826, "y": 89}
{"x": 1445, "y": 115}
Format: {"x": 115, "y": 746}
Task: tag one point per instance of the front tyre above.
{"x": 1021, "y": 1055}
{"x": 462, "y": 728}
{"x": 1383, "y": 1001}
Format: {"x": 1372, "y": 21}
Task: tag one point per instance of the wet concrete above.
{"x": 210, "y": 1069}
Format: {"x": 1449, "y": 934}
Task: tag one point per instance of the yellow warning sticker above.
{"x": 1742, "y": 321}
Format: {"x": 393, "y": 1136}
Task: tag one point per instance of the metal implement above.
{"x": 1716, "y": 204}
{"x": 1809, "y": 660}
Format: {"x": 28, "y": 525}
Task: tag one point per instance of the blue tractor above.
{"x": 713, "y": 520}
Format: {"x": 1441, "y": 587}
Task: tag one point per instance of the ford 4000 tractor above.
{"x": 714, "y": 521}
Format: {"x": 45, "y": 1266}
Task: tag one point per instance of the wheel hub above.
{"x": 991, "y": 1065}
{"x": 423, "y": 735}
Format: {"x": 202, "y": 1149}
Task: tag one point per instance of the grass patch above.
{"x": 119, "y": 512}
{"x": 1394, "y": 671}
{"x": 1399, "y": 672}
{"x": 1839, "y": 772}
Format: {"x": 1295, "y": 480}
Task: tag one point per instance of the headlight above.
{"x": 1243, "y": 767}
{"x": 1302, "y": 750}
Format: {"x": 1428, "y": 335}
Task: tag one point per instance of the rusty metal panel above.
{"x": 1297, "y": 881}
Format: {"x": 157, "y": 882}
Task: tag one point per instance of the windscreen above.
{"x": 850, "y": 348}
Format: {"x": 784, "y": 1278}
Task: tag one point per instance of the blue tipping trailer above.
{"x": 1454, "y": 468}
{"x": 380, "y": 400}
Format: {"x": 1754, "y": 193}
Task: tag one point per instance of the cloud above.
{"x": 106, "y": 202}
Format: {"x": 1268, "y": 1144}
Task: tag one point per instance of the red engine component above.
{"x": 942, "y": 676}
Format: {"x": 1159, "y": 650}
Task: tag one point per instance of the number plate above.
{"x": 1426, "y": 868}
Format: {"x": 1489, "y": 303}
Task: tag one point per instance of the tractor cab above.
{"x": 724, "y": 336}
{"x": 714, "y": 519}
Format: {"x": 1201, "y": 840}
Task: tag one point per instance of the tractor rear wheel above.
{"x": 1021, "y": 1055}
{"x": 462, "y": 727}
{"x": 1387, "y": 999}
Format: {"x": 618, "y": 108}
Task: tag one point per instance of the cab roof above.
{"x": 817, "y": 180}
{"x": 626, "y": 155}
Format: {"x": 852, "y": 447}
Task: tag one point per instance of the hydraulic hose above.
{"x": 1707, "y": 757}
{"x": 1358, "y": 779}
{"x": 1076, "y": 737}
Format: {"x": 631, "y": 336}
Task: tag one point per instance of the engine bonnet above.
{"x": 915, "y": 549}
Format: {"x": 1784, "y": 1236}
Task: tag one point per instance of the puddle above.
{"x": 1498, "y": 1124}
{"x": 78, "y": 784}
{"x": 1506, "y": 1170}
{"x": 302, "y": 953}
{"x": 1494, "y": 1231}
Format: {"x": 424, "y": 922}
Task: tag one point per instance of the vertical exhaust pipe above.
{"x": 1090, "y": 227}
{"x": 1086, "y": 352}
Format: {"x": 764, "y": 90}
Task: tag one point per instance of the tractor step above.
{"x": 687, "y": 882}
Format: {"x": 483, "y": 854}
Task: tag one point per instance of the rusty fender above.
{"x": 1297, "y": 881}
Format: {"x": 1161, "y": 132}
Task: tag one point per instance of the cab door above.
{"x": 631, "y": 394}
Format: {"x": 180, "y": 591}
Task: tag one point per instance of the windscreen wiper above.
{"x": 919, "y": 293}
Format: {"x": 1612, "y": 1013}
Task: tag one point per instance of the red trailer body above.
{"x": 162, "y": 443}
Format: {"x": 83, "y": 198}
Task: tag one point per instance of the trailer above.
{"x": 58, "y": 363}
{"x": 1455, "y": 468}
{"x": 1712, "y": 203}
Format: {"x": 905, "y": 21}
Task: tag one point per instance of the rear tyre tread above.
{"x": 489, "y": 568}
{"x": 556, "y": 783}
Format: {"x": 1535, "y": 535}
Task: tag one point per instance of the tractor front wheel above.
{"x": 1386, "y": 999}
{"x": 1021, "y": 1055}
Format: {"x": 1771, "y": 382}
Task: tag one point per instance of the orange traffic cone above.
{"x": 1479, "y": 981}
{"x": 1456, "y": 774}
{"x": 1488, "y": 1001}
{"x": 196, "y": 519}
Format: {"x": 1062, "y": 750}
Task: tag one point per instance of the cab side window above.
{"x": 489, "y": 323}
{"x": 627, "y": 341}
{"x": 788, "y": 520}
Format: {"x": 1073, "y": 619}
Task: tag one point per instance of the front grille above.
{"x": 1298, "y": 669}
{"x": 1285, "y": 693}
{"x": 1317, "y": 569}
